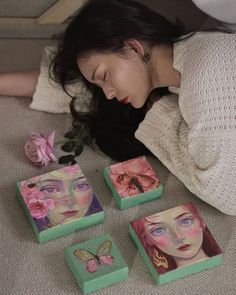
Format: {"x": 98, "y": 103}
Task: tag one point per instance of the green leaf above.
{"x": 68, "y": 146}
{"x": 77, "y": 124}
{"x": 78, "y": 150}
{"x": 66, "y": 159}
{"x": 71, "y": 134}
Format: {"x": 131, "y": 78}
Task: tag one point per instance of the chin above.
{"x": 137, "y": 105}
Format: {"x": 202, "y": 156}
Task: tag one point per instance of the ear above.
{"x": 135, "y": 45}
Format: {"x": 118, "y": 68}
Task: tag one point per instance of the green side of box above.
{"x": 179, "y": 272}
{"x": 128, "y": 202}
{"x": 106, "y": 280}
{"x": 90, "y": 282}
{"x": 61, "y": 230}
{"x": 143, "y": 254}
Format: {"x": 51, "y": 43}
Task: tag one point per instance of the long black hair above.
{"x": 103, "y": 26}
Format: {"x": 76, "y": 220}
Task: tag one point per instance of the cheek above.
{"x": 194, "y": 231}
{"x": 126, "y": 76}
{"x": 57, "y": 202}
{"x": 84, "y": 198}
{"x": 163, "y": 241}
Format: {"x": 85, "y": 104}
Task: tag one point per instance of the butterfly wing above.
{"x": 83, "y": 255}
{"x": 106, "y": 259}
{"x": 104, "y": 248}
{"x": 103, "y": 251}
{"x": 92, "y": 265}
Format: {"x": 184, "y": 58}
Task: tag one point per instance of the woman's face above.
{"x": 72, "y": 198}
{"x": 123, "y": 77}
{"x": 178, "y": 233}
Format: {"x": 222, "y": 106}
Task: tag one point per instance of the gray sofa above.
{"x": 30, "y": 268}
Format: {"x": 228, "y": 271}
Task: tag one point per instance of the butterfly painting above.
{"x": 93, "y": 261}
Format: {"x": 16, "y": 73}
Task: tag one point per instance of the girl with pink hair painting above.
{"x": 175, "y": 238}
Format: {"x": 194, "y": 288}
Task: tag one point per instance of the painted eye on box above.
{"x": 187, "y": 221}
{"x": 159, "y": 231}
{"x": 80, "y": 187}
{"x": 49, "y": 189}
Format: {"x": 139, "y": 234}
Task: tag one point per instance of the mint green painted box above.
{"x": 96, "y": 263}
{"x": 175, "y": 243}
{"x": 133, "y": 182}
{"x": 59, "y": 202}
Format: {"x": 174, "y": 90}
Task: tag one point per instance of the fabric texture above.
{"x": 49, "y": 95}
{"x": 30, "y": 268}
{"x": 194, "y": 134}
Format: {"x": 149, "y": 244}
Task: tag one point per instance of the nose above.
{"x": 177, "y": 235}
{"x": 110, "y": 94}
{"x": 68, "y": 201}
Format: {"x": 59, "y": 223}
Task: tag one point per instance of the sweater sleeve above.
{"x": 206, "y": 163}
{"x": 49, "y": 95}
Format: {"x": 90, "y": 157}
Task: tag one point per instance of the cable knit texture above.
{"x": 49, "y": 95}
{"x": 194, "y": 133}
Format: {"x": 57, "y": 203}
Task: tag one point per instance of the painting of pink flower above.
{"x": 30, "y": 191}
{"x": 133, "y": 177}
{"x": 39, "y": 208}
{"x": 34, "y": 199}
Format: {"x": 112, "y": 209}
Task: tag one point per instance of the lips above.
{"x": 184, "y": 247}
{"x": 70, "y": 213}
{"x": 124, "y": 100}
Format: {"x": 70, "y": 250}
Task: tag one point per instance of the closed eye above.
{"x": 105, "y": 76}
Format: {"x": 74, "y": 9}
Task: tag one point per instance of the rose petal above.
{"x": 51, "y": 138}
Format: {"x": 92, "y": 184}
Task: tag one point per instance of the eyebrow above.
{"x": 48, "y": 181}
{"x": 182, "y": 215}
{"x": 93, "y": 74}
{"x": 51, "y": 180}
{"x": 81, "y": 179}
{"x": 153, "y": 223}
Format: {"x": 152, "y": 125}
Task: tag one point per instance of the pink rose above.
{"x": 39, "y": 148}
{"x": 30, "y": 192}
{"x": 39, "y": 208}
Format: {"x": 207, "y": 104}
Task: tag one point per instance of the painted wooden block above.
{"x": 96, "y": 263}
{"x": 175, "y": 243}
{"x": 59, "y": 202}
{"x": 133, "y": 182}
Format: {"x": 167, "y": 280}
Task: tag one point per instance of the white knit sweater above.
{"x": 194, "y": 134}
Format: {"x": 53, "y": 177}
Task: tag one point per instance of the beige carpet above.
{"x": 29, "y": 268}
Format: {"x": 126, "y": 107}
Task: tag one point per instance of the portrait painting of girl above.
{"x": 59, "y": 197}
{"x": 175, "y": 238}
